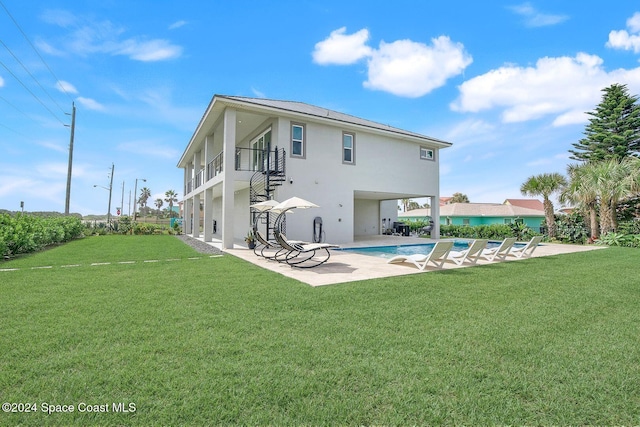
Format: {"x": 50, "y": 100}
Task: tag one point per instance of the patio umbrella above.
{"x": 267, "y": 205}
{"x": 263, "y": 207}
{"x": 293, "y": 203}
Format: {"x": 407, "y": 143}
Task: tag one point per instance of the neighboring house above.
{"x": 445, "y": 200}
{"x": 480, "y": 214}
{"x": 526, "y": 203}
{"x": 245, "y": 150}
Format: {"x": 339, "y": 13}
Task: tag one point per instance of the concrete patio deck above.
{"x": 349, "y": 267}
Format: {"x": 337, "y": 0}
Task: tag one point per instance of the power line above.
{"x": 32, "y": 94}
{"x": 17, "y": 109}
{"x": 35, "y": 50}
{"x": 32, "y": 76}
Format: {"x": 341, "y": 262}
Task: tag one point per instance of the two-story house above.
{"x": 246, "y": 150}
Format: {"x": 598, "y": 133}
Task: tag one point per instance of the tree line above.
{"x": 170, "y": 196}
{"x": 605, "y": 183}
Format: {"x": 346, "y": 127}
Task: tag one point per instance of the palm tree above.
{"x": 615, "y": 181}
{"x": 170, "y": 197}
{"x": 581, "y": 190}
{"x": 145, "y": 193}
{"x": 159, "y": 203}
{"x": 545, "y": 185}
{"x": 459, "y": 198}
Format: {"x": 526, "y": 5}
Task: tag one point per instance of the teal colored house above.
{"x": 479, "y": 214}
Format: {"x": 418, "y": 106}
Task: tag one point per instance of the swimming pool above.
{"x": 425, "y": 248}
{"x": 391, "y": 251}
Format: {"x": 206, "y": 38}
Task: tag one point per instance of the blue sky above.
{"x": 506, "y": 82}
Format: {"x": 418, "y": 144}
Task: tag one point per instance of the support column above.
{"x": 197, "y": 166}
{"x": 208, "y": 154}
{"x": 207, "y": 226}
{"x": 435, "y": 216}
{"x": 196, "y": 215}
{"x": 187, "y": 216}
{"x": 228, "y": 196}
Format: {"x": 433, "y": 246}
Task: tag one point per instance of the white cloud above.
{"x": 52, "y": 170}
{"x": 627, "y": 40}
{"x": 258, "y": 93}
{"x": 469, "y": 132}
{"x": 404, "y": 67}
{"x": 534, "y": 18}
{"x": 149, "y": 148}
{"x": 55, "y": 146}
{"x": 61, "y": 18}
{"x": 1, "y": 82}
{"x": 633, "y": 23}
{"x": 14, "y": 184}
{"x": 411, "y": 69}
{"x": 564, "y": 86}
{"x": 90, "y": 104}
{"x": 91, "y": 37}
{"x": 342, "y": 49}
{"x": 552, "y": 160}
{"x": 147, "y": 51}
{"x": 66, "y": 87}
{"x": 177, "y": 24}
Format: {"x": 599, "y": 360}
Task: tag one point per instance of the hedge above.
{"x": 21, "y": 233}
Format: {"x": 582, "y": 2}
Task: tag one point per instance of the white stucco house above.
{"x": 246, "y": 150}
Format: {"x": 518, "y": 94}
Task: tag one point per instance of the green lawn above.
{"x": 551, "y": 340}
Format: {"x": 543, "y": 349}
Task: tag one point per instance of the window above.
{"x": 465, "y": 221}
{"x": 426, "y": 153}
{"x": 348, "y": 148}
{"x": 297, "y": 140}
{"x": 260, "y": 148}
{"x": 507, "y": 221}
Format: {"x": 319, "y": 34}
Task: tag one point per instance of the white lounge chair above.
{"x": 437, "y": 256}
{"x": 501, "y": 251}
{"x": 300, "y": 254}
{"x": 526, "y": 250}
{"x": 471, "y": 254}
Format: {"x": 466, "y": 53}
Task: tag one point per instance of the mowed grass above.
{"x": 211, "y": 341}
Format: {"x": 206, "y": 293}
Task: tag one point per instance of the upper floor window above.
{"x": 260, "y": 148}
{"x": 426, "y": 153}
{"x": 348, "y": 148}
{"x": 297, "y": 140}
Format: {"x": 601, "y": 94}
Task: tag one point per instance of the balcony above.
{"x": 246, "y": 159}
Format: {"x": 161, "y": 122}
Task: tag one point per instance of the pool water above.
{"x": 391, "y": 251}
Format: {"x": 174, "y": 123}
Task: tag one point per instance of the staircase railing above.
{"x": 270, "y": 173}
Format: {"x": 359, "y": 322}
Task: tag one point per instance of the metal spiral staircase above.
{"x": 262, "y": 185}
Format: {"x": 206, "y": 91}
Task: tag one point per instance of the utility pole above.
{"x": 73, "y": 129}
{"x": 122, "y": 201}
{"x": 110, "y": 191}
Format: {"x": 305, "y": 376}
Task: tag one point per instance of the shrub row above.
{"x": 492, "y": 231}
{"x": 620, "y": 239}
{"x": 25, "y": 233}
{"x": 124, "y": 225}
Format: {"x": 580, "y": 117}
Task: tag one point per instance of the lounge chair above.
{"x": 302, "y": 255}
{"x": 526, "y": 250}
{"x": 263, "y": 244}
{"x": 499, "y": 252}
{"x": 471, "y": 254}
{"x": 437, "y": 256}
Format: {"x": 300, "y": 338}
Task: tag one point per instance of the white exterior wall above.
{"x": 381, "y": 165}
{"x": 353, "y": 198}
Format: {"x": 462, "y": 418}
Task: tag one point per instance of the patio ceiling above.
{"x": 378, "y": 195}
